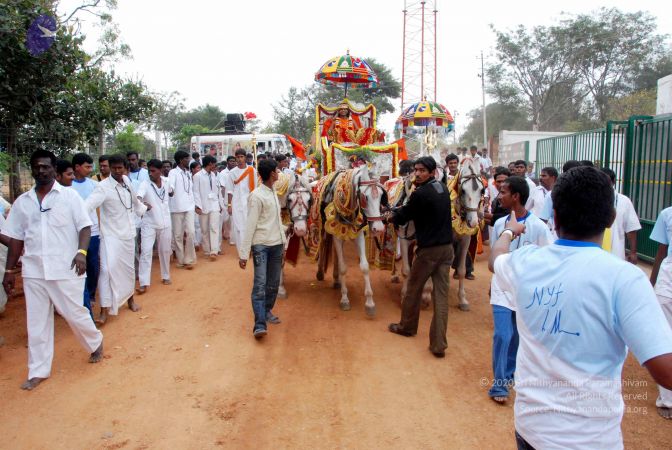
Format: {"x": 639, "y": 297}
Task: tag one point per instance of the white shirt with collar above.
{"x": 159, "y": 199}
{"x": 138, "y": 177}
{"x": 535, "y": 202}
{"x": 264, "y": 223}
{"x": 50, "y": 232}
{"x": 119, "y": 206}
{"x": 207, "y": 191}
{"x": 183, "y": 190}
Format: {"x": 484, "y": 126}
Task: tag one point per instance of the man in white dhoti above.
{"x": 52, "y": 228}
{"x": 225, "y": 218}
{"x": 241, "y": 182}
{"x": 182, "y": 211}
{"x": 206, "y": 198}
{"x": 119, "y": 206}
{"x": 156, "y": 225}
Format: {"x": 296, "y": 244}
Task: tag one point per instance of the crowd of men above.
{"x": 564, "y": 309}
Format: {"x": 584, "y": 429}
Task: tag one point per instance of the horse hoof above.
{"x": 395, "y": 279}
{"x": 464, "y": 307}
{"x": 345, "y": 306}
{"x": 337, "y": 284}
{"x": 320, "y": 276}
{"x": 282, "y": 295}
{"x": 370, "y": 311}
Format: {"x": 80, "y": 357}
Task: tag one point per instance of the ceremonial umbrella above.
{"x": 349, "y": 70}
{"x": 425, "y": 114}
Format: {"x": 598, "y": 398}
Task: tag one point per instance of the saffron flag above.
{"x": 297, "y": 147}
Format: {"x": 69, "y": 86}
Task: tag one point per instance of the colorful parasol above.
{"x": 348, "y": 70}
{"x": 425, "y": 114}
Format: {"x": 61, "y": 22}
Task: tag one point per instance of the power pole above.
{"x": 485, "y": 119}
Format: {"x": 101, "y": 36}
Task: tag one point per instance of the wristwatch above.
{"x": 509, "y": 232}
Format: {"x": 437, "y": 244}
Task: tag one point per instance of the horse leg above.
{"x": 463, "y": 248}
{"x": 342, "y": 268}
{"x": 369, "y": 304}
{"x": 282, "y": 292}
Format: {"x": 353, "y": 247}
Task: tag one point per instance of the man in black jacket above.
{"x": 429, "y": 209}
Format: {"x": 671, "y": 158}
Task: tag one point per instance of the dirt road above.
{"x": 185, "y": 372}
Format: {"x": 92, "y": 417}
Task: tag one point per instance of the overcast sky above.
{"x": 244, "y": 55}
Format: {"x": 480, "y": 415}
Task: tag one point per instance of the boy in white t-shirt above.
{"x": 512, "y": 196}
{"x": 661, "y": 279}
{"x": 579, "y": 310}
{"x": 625, "y": 225}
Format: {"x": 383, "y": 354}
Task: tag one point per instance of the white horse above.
{"x": 296, "y": 199}
{"x": 467, "y": 207}
{"x": 350, "y": 202}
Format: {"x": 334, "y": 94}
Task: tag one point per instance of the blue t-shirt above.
{"x": 662, "y": 230}
{"x": 579, "y": 309}
{"x": 84, "y": 188}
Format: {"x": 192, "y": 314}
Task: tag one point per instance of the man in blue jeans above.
{"x": 265, "y": 236}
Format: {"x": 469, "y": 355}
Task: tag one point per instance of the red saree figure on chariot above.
{"x": 345, "y": 128}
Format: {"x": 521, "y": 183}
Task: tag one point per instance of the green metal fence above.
{"x": 639, "y": 150}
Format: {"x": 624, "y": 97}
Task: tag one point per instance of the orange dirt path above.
{"x": 185, "y": 372}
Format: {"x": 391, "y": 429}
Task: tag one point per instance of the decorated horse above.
{"x": 294, "y": 195}
{"x": 346, "y": 203}
{"x": 466, "y": 194}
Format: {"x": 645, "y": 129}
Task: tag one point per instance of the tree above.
{"x": 208, "y": 116}
{"x": 183, "y": 138}
{"x": 611, "y": 49}
{"x": 501, "y": 116}
{"x": 128, "y": 140}
{"x": 27, "y": 81}
{"x": 533, "y": 65}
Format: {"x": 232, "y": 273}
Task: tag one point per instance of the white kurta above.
{"x": 240, "y": 192}
{"x": 119, "y": 206}
{"x": 155, "y": 227}
{"x": 626, "y": 221}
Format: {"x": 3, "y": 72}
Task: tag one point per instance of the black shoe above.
{"x": 396, "y": 328}
{"x": 470, "y": 276}
{"x": 259, "y": 333}
{"x": 270, "y": 318}
{"x": 439, "y": 354}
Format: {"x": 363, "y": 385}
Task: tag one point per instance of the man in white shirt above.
{"x": 241, "y": 182}
{"x": 625, "y": 225}
{"x": 207, "y": 198}
{"x": 579, "y": 311}
{"x": 224, "y": 217}
{"x": 83, "y": 166}
{"x": 512, "y": 196}
{"x": 156, "y": 225}
{"x": 265, "y": 236}
{"x": 538, "y": 195}
{"x": 486, "y": 161}
{"x": 137, "y": 175}
{"x": 661, "y": 279}
{"x": 119, "y": 206}
{"x": 520, "y": 170}
{"x": 50, "y": 225}
{"x": 182, "y": 211}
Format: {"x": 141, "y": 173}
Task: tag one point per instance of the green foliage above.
{"x": 570, "y": 75}
{"x": 128, "y": 140}
{"x": 183, "y": 138}
{"x": 501, "y": 116}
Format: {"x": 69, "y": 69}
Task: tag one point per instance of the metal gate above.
{"x": 639, "y": 150}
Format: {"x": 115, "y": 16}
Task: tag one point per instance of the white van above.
{"x": 222, "y": 145}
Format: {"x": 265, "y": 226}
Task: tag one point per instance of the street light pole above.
{"x": 485, "y": 119}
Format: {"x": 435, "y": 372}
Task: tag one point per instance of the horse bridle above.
{"x": 299, "y": 201}
{"x": 476, "y": 179}
{"x": 366, "y": 185}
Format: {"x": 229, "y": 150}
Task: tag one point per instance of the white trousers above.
{"x": 224, "y": 226}
{"x": 664, "y": 399}
{"x": 183, "y": 224}
{"x": 3, "y": 263}
{"x": 116, "y": 282}
{"x": 42, "y": 297}
{"x": 162, "y": 236}
{"x": 211, "y": 229}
